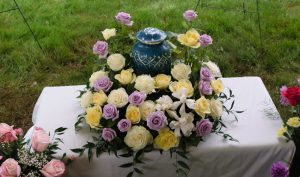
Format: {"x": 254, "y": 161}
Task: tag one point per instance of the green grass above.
{"x": 68, "y": 28}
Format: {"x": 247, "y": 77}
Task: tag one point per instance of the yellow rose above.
{"x": 126, "y": 76}
{"x": 138, "y": 137}
{"x": 118, "y": 97}
{"x": 86, "y": 99}
{"x": 146, "y": 108}
{"x": 99, "y": 98}
{"x": 217, "y": 86}
{"x": 202, "y": 106}
{"x": 133, "y": 114}
{"x": 93, "y": 116}
{"x": 162, "y": 81}
{"x": 181, "y": 71}
{"x": 182, "y": 84}
{"x": 108, "y": 33}
{"x": 116, "y": 62}
{"x": 282, "y": 131}
{"x": 294, "y": 122}
{"x": 166, "y": 139}
{"x": 96, "y": 76}
{"x": 190, "y": 39}
{"x": 144, "y": 83}
{"x": 216, "y": 108}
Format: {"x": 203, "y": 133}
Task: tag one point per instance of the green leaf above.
{"x": 232, "y": 104}
{"x": 183, "y": 164}
{"x": 182, "y": 154}
{"x": 181, "y": 171}
{"x": 60, "y": 130}
{"x": 126, "y": 165}
{"x": 126, "y": 155}
{"x": 130, "y": 174}
{"x": 138, "y": 171}
{"x": 239, "y": 111}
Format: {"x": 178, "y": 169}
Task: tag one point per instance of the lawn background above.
{"x": 67, "y": 29}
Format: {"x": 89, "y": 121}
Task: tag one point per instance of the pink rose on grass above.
{"x": 205, "y": 74}
{"x": 7, "y": 133}
{"x": 190, "y": 15}
{"x": 283, "y": 99}
{"x": 19, "y": 131}
{"x": 124, "y": 18}
{"x": 110, "y": 111}
{"x": 54, "y": 168}
{"x": 124, "y": 125}
{"x": 108, "y": 134}
{"x": 157, "y": 120}
{"x": 1, "y": 157}
{"x": 10, "y": 168}
{"x": 40, "y": 140}
{"x": 101, "y": 49}
{"x": 205, "y": 40}
{"x": 203, "y": 127}
{"x": 104, "y": 83}
{"x": 205, "y": 87}
{"x": 137, "y": 98}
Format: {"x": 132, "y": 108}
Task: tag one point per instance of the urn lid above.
{"x": 151, "y": 36}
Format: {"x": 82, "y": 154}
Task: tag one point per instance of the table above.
{"x": 253, "y": 156}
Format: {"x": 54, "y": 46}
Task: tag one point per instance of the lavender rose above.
{"x": 110, "y": 111}
{"x": 203, "y": 127}
{"x": 108, "y": 134}
{"x": 124, "y": 125}
{"x": 205, "y": 40}
{"x": 279, "y": 169}
{"x": 190, "y": 15}
{"x": 205, "y": 88}
{"x": 205, "y": 74}
{"x": 137, "y": 98}
{"x": 104, "y": 83}
{"x": 101, "y": 49}
{"x": 156, "y": 120}
{"x": 124, "y": 18}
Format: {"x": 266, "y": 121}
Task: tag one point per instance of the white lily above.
{"x": 182, "y": 96}
{"x": 183, "y": 123}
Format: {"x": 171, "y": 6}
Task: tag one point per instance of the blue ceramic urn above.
{"x": 151, "y": 54}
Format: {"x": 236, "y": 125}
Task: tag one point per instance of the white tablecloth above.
{"x": 253, "y": 156}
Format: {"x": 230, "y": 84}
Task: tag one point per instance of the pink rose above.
{"x": 7, "y": 133}
{"x": 10, "y": 168}
{"x": 54, "y": 168}
{"x": 1, "y": 157}
{"x": 19, "y": 131}
{"x": 40, "y": 140}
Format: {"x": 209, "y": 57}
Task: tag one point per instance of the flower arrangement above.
{"x": 164, "y": 111}
{"x": 17, "y": 158}
{"x": 290, "y": 96}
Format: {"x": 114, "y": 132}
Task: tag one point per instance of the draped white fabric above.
{"x": 253, "y": 156}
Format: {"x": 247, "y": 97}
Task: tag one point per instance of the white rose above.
{"x": 164, "y": 103}
{"x": 96, "y": 76}
{"x": 146, "y": 108}
{"x": 86, "y": 99}
{"x": 118, "y": 97}
{"x": 138, "y": 137}
{"x": 216, "y": 108}
{"x": 144, "y": 83}
{"x": 213, "y": 68}
{"x": 181, "y": 71}
{"x": 108, "y": 33}
{"x": 116, "y": 62}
